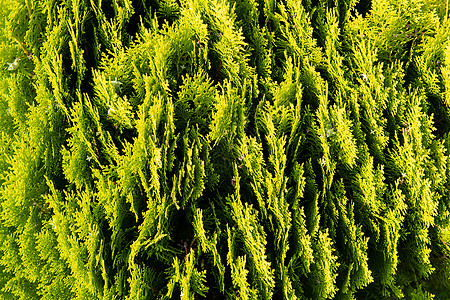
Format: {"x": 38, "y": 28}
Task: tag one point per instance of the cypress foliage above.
{"x": 212, "y": 149}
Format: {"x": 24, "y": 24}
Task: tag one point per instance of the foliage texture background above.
{"x": 242, "y": 149}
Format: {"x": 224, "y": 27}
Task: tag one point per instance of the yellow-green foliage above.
{"x": 224, "y": 149}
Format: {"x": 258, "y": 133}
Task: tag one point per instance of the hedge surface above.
{"x": 214, "y": 149}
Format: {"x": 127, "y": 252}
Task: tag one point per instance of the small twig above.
{"x": 29, "y": 8}
{"x": 22, "y": 47}
{"x": 192, "y": 243}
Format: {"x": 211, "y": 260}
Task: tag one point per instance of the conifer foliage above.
{"x": 214, "y": 149}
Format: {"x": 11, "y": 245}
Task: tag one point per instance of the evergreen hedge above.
{"x": 213, "y": 149}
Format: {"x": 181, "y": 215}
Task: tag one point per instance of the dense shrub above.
{"x": 224, "y": 149}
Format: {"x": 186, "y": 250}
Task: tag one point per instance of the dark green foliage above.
{"x": 212, "y": 149}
